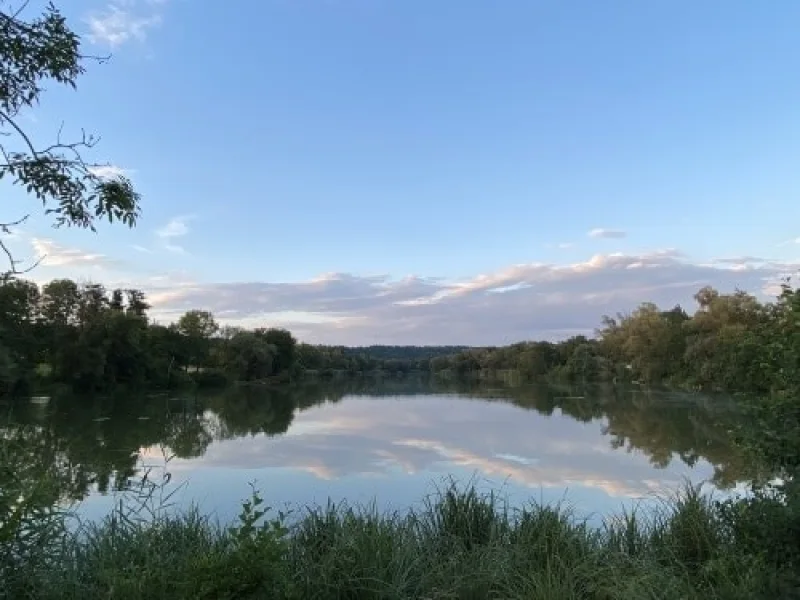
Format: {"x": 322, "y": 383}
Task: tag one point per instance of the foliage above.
{"x": 91, "y": 339}
{"x": 248, "y": 356}
{"x": 393, "y": 361}
{"x": 197, "y": 328}
{"x": 35, "y": 52}
{"x": 94, "y": 339}
{"x": 732, "y": 342}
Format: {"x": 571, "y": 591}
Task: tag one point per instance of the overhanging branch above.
{"x": 5, "y": 228}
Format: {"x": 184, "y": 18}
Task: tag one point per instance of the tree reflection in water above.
{"x": 83, "y": 444}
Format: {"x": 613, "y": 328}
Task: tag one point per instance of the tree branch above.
{"x": 13, "y": 262}
{"x": 22, "y": 7}
{"x": 5, "y": 228}
{"x": 22, "y": 134}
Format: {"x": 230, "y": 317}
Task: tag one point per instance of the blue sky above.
{"x": 299, "y": 158}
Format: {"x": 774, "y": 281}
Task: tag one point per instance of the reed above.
{"x": 460, "y": 543}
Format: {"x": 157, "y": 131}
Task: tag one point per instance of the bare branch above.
{"x": 12, "y": 18}
{"x": 6, "y": 227}
{"x": 22, "y": 134}
{"x": 22, "y": 7}
{"x": 99, "y": 59}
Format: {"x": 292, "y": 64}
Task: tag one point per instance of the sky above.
{"x": 432, "y": 172}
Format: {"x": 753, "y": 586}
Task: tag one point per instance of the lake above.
{"x": 389, "y": 443}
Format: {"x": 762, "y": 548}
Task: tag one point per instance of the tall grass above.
{"x": 459, "y": 544}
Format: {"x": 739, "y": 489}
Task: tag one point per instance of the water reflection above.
{"x": 386, "y": 441}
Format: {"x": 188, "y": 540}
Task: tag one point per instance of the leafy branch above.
{"x": 72, "y": 190}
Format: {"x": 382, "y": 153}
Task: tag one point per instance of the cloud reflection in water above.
{"x": 363, "y": 446}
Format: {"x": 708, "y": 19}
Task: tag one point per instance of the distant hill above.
{"x": 402, "y": 352}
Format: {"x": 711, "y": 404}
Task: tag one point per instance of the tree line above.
{"x": 91, "y": 338}
{"x": 731, "y": 342}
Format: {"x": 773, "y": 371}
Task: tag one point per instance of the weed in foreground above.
{"x": 459, "y": 544}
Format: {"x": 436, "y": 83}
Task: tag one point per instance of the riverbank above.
{"x": 460, "y": 544}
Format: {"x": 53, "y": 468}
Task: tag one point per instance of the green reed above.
{"x": 459, "y": 543}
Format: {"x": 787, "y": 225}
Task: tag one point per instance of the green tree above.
{"x": 60, "y": 301}
{"x": 73, "y": 190}
{"x": 441, "y": 363}
{"x": 726, "y": 339}
{"x": 583, "y": 364}
{"x": 197, "y": 327}
{"x": 535, "y": 361}
{"x": 167, "y": 354}
{"x": 284, "y": 344}
{"x": 249, "y": 356}
{"x": 309, "y": 357}
{"x": 137, "y": 303}
{"x": 116, "y": 300}
{"x": 19, "y": 304}
{"x": 59, "y": 306}
{"x": 9, "y": 374}
{"x": 126, "y": 355}
{"x": 650, "y": 340}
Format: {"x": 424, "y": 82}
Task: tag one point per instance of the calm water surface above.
{"x": 390, "y": 443}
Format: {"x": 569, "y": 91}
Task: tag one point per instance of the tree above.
{"x": 8, "y": 371}
{"x": 167, "y": 353}
{"x": 650, "y": 340}
{"x": 137, "y": 304}
{"x": 116, "y": 300}
{"x": 440, "y": 363}
{"x": 125, "y": 336}
{"x": 60, "y": 301}
{"x": 536, "y": 360}
{"x": 93, "y": 301}
{"x": 726, "y": 341}
{"x": 583, "y": 364}
{"x": 198, "y": 324}
{"x": 249, "y": 356}
{"x": 197, "y": 327}
{"x": 72, "y": 190}
{"x": 284, "y": 344}
{"x": 309, "y": 357}
{"x": 19, "y": 303}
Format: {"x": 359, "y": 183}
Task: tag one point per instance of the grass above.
{"x": 460, "y": 545}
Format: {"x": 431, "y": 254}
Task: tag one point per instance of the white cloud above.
{"x": 609, "y": 234}
{"x": 52, "y": 254}
{"x": 177, "y": 227}
{"x": 527, "y": 301}
{"x": 122, "y": 21}
{"x": 108, "y": 171}
{"x": 521, "y": 302}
